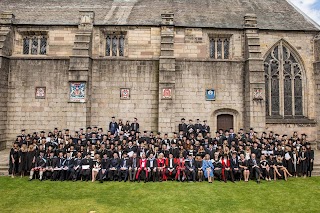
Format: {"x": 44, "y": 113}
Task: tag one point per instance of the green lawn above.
{"x": 296, "y": 195}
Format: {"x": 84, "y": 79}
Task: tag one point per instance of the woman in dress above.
{"x": 198, "y": 165}
{"x": 181, "y": 168}
{"x": 303, "y": 161}
{"x": 208, "y": 168}
{"x": 244, "y": 166}
{"x": 161, "y": 167}
{"x": 23, "y": 161}
{"x": 96, "y": 167}
{"x": 31, "y": 157}
{"x": 282, "y": 168}
{"x": 14, "y": 160}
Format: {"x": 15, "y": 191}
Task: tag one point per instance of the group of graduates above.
{"x": 192, "y": 154}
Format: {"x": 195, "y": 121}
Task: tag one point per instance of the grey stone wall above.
{"x": 141, "y": 77}
{"x": 24, "y": 111}
{"x": 4, "y": 69}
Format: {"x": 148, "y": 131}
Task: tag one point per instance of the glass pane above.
{"x": 121, "y": 45}
{"x": 108, "y": 46}
{"x": 34, "y": 46}
{"x": 274, "y": 67}
{"x": 43, "y": 46}
{"x": 226, "y": 48}
{"x": 212, "y": 48}
{"x": 285, "y": 53}
{"x": 287, "y": 68}
{"x": 275, "y": 101}
{"x": 287, "y": 96}
{"x": 298, "y": 96}
{"x": 276, "y": 53}
{"x": 219, "y": 49}
{"x": 296, "y": 69}
{"x": 26, "y": 45}
{"x": 114, "y": 46}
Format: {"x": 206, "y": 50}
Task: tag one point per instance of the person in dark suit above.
{"x": 152, "y": 167}
{"x": 86, "y": 167}
{"x": 58, "y": 165}
{"x": 198, "y": 127}
{"x": 183, "y": 127}
{"x": 67, "y": 167}
{"x": 133, "y": 167}
{"x": 255, "y": 167}
{"x": 210, "y": 151}
{"x": 135, "y": 125}
{"x": 124, "y": 167}
{"x": 75, "y": 171}
{"x": 105, "y": 164}
{"x": 113, "y": 167}
{"x": 205, "y": 128}
{"x": 190, "y": 168}
{"x": 113, "y": 126}
{"x": 234, "y": 163}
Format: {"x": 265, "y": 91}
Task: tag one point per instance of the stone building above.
{"x": 77, "y": 63}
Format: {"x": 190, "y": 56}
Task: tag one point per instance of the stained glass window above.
{"x": 283, "y": 79}
{"x": 115, "y": 45}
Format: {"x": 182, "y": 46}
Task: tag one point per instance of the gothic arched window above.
{"x": 283, "y": 77}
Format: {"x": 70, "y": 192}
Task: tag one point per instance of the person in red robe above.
{"x": 181, "y": 168}
{"x": 226, "y": 169}
{"x": 142, "y": 167}
{"x": 161, "y": 167}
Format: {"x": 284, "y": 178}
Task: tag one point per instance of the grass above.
{"x": 296, "y": 195}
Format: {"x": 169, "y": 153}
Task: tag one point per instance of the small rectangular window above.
{"x": 219, "y": 48}
{"x": 34, "y": 45}
{"x": 115, "y": 45}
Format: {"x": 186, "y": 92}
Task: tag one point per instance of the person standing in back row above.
{"x": 135, "y": 125}
{"x": 113, "y": 126}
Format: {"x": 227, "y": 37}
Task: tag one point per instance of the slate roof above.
{"x": 272, "y": 14}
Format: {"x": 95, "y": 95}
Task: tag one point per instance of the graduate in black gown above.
{"x": 23, "y": 161}
{"x": 303, "y": 161}
{"x": 31, "y": 157}
{"x": 14, "y": 160}
{"x": 310, "y": 159}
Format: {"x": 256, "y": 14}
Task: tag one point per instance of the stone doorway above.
{"x": 224, "y": 121}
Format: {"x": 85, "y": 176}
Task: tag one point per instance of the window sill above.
{"x": 289, "y": 120}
